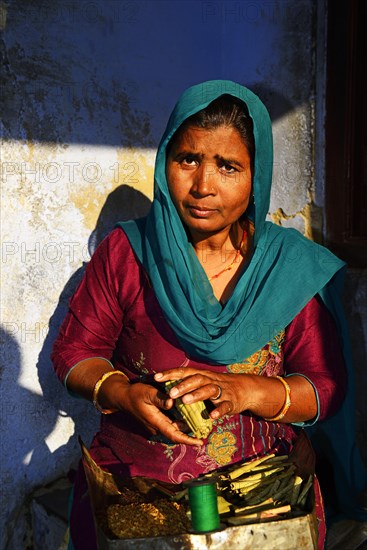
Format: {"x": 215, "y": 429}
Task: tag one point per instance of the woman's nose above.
{"x": 204, "y": 182}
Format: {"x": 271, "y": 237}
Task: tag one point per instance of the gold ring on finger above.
{"x": 218, "y": 395}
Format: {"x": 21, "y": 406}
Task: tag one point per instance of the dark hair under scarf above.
{"x": 224, "y": 111}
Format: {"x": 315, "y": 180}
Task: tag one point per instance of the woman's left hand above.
{"x": 233, "y": 393}
{"x": 226, "y": 391}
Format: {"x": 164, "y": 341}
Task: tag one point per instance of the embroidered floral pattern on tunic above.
{"x": 168, "y": 451}
{"x": 206, "y": 462}
{"x": 139, "y": 365}
{"x": 222, "y": 446}
{"x": 267, "y": 361}
{"x": 275, "y": 345}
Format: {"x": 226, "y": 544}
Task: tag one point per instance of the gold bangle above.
{"x": 97, "y": 387}
{"x": 287, "y": 402}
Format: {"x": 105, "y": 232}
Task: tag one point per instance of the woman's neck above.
{"x": 222, "y": 256}
{"x": 217, "y": 245}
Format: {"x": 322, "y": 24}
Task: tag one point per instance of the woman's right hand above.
{"x": 143, "y": 401}
{"x": 147, "y": 404}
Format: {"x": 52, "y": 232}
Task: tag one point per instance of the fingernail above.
{"x": 158, "y": 375}
{"x": 173, "y": 392}
{"x": 187, "y": 399}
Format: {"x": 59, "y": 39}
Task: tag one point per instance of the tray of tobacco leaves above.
{"x": 265, "y": 503}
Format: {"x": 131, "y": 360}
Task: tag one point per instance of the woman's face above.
{"x": 209, "y": 178}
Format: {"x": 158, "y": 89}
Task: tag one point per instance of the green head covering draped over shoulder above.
{"x": 286, "y": 270}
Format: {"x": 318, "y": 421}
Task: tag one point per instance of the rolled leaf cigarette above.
{"x": 195, "y": 414}
{"x": 247, "y": 467}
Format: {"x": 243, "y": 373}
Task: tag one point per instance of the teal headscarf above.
{"x": 286, "y": 270}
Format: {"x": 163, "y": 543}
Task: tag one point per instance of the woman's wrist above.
{"x": 110, "y": 393}
{"x": 287, "y": 400}
{"x": 262, "y": 395}
{"x": 86, "y": 374}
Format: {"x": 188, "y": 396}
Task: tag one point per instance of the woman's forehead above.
{"x": 195, "y": 139}
{"x": 222, "y": 144}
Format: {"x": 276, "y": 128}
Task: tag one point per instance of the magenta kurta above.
{"x": 114, "y": 314}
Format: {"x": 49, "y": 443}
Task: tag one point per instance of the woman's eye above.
{"x": 188, "y": 161}
{"x": 228, "y": 169}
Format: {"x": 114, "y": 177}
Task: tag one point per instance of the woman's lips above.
{"x": 201, "y": 212}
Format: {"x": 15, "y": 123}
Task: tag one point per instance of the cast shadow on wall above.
{"x": 34, "y": 416}
{"x": 26, "y": 423}
{"x": 122, "y": 204}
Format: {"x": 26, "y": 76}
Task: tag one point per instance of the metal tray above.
{"x": 299, "y": 533}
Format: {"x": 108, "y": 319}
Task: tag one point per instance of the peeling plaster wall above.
{"x": 88, "y": 87}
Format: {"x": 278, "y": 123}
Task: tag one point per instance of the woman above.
{"x": 203, "y": 290}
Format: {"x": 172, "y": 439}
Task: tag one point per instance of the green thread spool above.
{"x": 203, "y": 505}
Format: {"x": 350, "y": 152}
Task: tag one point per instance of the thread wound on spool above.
{"x": 203, "y": 505}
